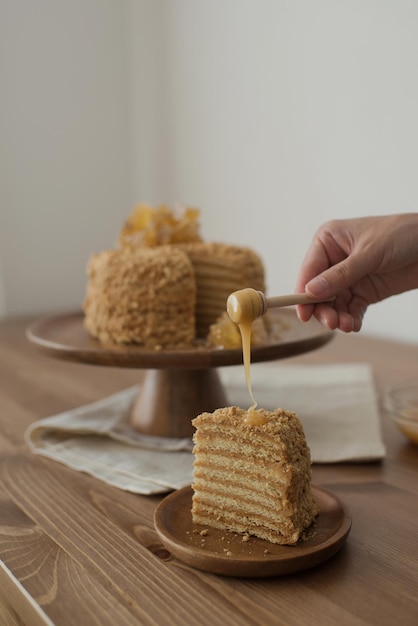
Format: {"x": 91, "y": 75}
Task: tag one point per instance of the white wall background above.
{"x": 65, "y": 145}
{"x": 271, "y": 116}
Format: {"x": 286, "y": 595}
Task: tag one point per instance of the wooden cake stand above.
{"x": 178, "y": 384}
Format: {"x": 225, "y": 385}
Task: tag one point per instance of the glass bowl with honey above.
{"x": 401, "y": 402}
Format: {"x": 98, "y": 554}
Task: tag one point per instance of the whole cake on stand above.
{"x": 163, "y": 286}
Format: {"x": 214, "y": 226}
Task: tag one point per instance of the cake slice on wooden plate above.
{"x": 252, "y": 474}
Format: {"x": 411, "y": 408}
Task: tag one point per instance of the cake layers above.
{"x": 221, "y": 269}
{"x": 252, "y": 478}
{"x": 146, "y": 296}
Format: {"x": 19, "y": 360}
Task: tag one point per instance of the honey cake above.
{"x": 124, "y": 302}
{"x": 146, "y": 297}
{"x": 252, "y": 475}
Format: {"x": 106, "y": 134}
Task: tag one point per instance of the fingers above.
{"x": 358, "y": 307}
{"x": 305, "y": 311}
{"x": 345, "y": 313}
{"x": 336, "y": 320}
{"x": 327, "y": 316}
{"x": 346, "y": 322}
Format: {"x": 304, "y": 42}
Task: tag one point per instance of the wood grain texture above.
{"x": 80, "y": 552}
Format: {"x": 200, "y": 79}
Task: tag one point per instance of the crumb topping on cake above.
{"x": 146, "y": 297}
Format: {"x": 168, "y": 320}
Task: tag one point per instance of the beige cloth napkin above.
{"x": 337, "y": 405}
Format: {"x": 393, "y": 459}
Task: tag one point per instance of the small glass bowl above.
{"x": 401, "y": 401}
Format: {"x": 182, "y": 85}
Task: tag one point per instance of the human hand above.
{"x": 360, "y": 261}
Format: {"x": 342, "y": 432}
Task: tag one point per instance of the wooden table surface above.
{"x": 76, "y": 551}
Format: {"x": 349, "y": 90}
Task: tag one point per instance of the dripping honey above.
{"x": 243, "y": 307}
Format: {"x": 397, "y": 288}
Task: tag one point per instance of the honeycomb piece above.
{"x": 150, "y": 227}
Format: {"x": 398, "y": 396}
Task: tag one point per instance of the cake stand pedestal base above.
{"x": 170, "y": 398}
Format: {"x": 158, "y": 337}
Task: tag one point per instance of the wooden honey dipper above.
{"x": 246, "y": 305}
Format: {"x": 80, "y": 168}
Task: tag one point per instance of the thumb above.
{"x": 335, "y": 279}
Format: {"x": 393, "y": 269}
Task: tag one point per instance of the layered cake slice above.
{"x": 220, "y": 269}
{"x": 252, "y": 474}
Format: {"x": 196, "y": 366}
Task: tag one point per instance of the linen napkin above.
{"x": 336, "y": 403}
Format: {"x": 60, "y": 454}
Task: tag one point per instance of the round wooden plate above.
{"x": 64, "y": 336}
{"x": 225, "y": 553}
